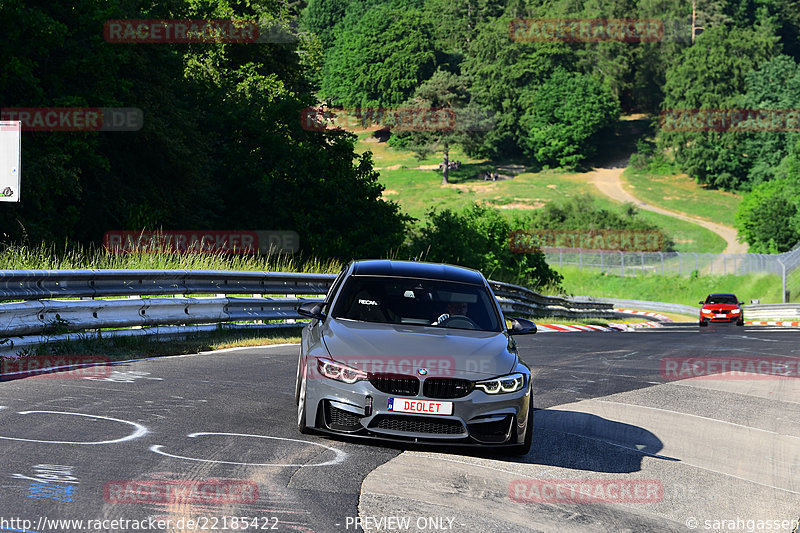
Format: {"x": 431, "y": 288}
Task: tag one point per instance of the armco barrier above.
{"x": 149, "y": 300}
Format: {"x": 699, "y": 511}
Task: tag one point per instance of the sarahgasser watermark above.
{"x": 741, "y": 524}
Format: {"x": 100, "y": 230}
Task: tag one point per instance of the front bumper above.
{"x": 727, "y": 319}
{"x": 361, "y": 410}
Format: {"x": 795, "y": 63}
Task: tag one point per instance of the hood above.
{"x": 402, "y": 349}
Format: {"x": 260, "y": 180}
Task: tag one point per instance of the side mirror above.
{"x": 521, "y": 326}
{"x": 702, "y": 302}
{"x": 741, "y": 303}
{"x": 312, "y": 310}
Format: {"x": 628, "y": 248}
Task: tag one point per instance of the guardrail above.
{"x": 772, "y": 312}
{"x": 148, "y": 300}
{"x": 790, "y": 311}
{"x": 664, "y": 307}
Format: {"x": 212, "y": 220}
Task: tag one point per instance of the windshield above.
{"x": 419, "y": 302}
{"x": 722, "y": 299}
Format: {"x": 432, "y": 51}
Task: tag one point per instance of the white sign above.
{"x": 10, "y": 160}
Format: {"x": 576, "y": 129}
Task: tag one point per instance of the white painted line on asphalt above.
{"x": 340, "y": 455}
{"x": 140, "y": 429}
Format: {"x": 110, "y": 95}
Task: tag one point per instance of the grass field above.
{"x": 681, "y": 193}
{"x": 418, "y": 189}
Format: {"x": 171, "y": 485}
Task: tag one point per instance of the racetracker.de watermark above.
{"x": 529, "y": 241}
{"x": 202, "y": 241}
{"x": 75, "y": 118}
{"x": 730, "y": 120}
{"x": 209, "y": 491}
{"x": 184, "y": 31}
{"x": 56, "y": 367}
{"x": 591, "y": 30}
{"x": 729, "y": 368}
{"x": 399, "y": 365}
{"x": 586, "y": 491}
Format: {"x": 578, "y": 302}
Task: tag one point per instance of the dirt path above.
{"x": 607, "y": 180}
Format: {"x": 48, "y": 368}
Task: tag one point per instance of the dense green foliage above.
{"x": 381, "y": 59}
{"x": 221, "y": 147}
{"x": 563, "y": 114}
{"x": 769, "y": 217}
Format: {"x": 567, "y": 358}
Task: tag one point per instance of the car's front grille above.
{"x": 395, "y": 384}
{"x": 418, "y": 424}
{"x": 446, "y": 388}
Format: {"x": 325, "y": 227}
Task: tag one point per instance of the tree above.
{"x": 564, "y": 115}
{"x": 221, "y": 147}
{"x": 445, "y": 95}
{"x": 499, "y": 69}
{"x": 711, "y": 74}
{"x": 766, "y": 218}
{"x": 378, "y": 59}
{"x": 322, "y": 16}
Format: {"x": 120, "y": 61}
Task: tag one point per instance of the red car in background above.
{"x": 721, "y": 308}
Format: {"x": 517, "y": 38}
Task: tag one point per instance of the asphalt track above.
{"x": 210, "y": 437}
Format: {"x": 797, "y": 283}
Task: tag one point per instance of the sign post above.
{"x": 10, "y": 160}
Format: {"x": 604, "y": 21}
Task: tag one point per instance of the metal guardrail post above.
{"x": 622, "y": 264}
{"x": 783, "y": 280}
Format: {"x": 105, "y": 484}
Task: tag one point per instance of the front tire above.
{"x": 524, "y": 447}
{"x": 301, "y": 401}
{"x": 703, "y": 324}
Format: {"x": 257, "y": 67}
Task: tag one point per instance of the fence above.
{"x": 784, "y": 265}
{"x": 53, "y": 305}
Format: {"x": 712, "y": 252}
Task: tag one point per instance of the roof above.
{"x": 415, "y": 269}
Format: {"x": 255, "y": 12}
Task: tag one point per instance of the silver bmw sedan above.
{"x": 414, "y": 352}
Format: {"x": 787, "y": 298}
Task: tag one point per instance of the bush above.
{"x": 478, "y": 237}
{"x": 580, "y": 213}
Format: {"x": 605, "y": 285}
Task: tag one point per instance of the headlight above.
{"x": 502, "y": 385}
{"x": 339, "y": 372}
{"x": 736, "y": 311}
{"x": 707, "y": 311}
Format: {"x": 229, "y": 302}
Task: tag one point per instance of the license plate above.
{"x": 426, "y": 407}
{"x": 721, "y": 315}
